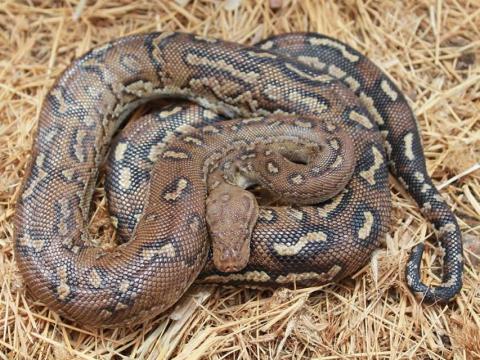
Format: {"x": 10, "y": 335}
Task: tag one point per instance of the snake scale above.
{"x": 285, "y": 89}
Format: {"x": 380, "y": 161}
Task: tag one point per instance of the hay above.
{"x": 431, "y": 49}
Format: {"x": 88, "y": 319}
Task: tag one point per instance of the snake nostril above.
{"x": 226, "y": 255}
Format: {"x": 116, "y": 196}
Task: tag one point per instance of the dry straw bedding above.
{"x": 430, "y": 48}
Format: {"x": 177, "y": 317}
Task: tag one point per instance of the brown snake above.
{"x": 329, "y": 87}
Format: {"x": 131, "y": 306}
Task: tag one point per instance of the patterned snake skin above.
{"x": 308, "y": 75}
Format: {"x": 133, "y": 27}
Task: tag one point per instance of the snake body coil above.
{"x": 307, "y": 75}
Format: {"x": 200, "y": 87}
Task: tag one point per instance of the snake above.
{"x": 286, "y": 106}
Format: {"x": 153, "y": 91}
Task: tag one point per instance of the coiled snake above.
{"x": 328, "y": 101}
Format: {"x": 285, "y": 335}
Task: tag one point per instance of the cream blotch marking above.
{"x": 295, "y": 214}
{"x": 309, "y": 276}
{"x": 298, "y": 179}
{"x": 206, "y": 39}
{"x": 330, "y": 127}
{"x": 210, "y": 129}
{"x": 194, "y": 224}
{"x": 388, "y": 146}
{"x": 425, "y": 188}
{"x": 369, "y": 103}
{"x": 124, "y": 285}
{"x": 185, "y": 129}
{"x": 252, "y": 120}
{"x": 249, "y": 276}
{"x": 361, "y": 119}
{"x": 290, "y": 250}
{"x": 120, "y": 306}
{"x": 248, "y": 156}
{"x": 369, "y": 175}
{"x": 170, "y": 154}
{"x": 139, "y": 88}
{"x": 459, "y": 258}
{"x": 333, "y": 44}
{"x": 167, "y": 113}
{"x": 408, "y": 141}
{"x": 303, "y": 74}
{"x": 334, "y": 144}
{"x": 57, "y": 94}
{"x": 265, "y": 214}
{"x": 167, "y": 250}
{"x": 193, "y": 140}
{"x": 35, "y": 244}
{"x": 95, "y": 279}
{"x": 388, "y": 90}
{"x": 78, "y": 147}
{"x": 65, "y": 212}
{"x": 336, "y": 71}
{"x": 182, "y": 184}
{"x": 365, "y": 230}
{"x": 40, "y": 160}
{"x": 427, "y": 206}
{"x": 209, "y": 114}
{"x": 303, "y": 124}
{"x": 120, "y": 151}
{"x": 403, "y": 182}
{"x": 33, "y": 184}
{"x": 51, "y": 134}
{"x": 105, "y": 314}
{"x": 311, "y": 102}
{"x": 447, "y": 228}
{"x": 338, "y": 161}
{"x": 272, "y": 168}
{"x": 125, "y": 179}
{"x": 419, "y": 176}
{"x": 114, "y": 221}
{"x": 312, "y": 61}
{"x": 267, "y": 45}
{"x": 155, "y": 150}
{"x": 352, "y": 83}
{"x": 63, "y": 289}
{"x": 251, "y": 77}
{"x": 273, "y": 92}
{"x": 326, "y": 209}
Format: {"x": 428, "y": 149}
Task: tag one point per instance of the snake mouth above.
{"x": 231, "y": 255}
{"x": 229, "y": 268}
{"x": 230, "y": 259}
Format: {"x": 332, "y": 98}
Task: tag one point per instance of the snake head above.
{"x": 231, "y": 215}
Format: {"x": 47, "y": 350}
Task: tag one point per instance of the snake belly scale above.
{"x": 306, "y": 75}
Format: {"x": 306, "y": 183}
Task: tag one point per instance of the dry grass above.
{"x": 431, "y": 49}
